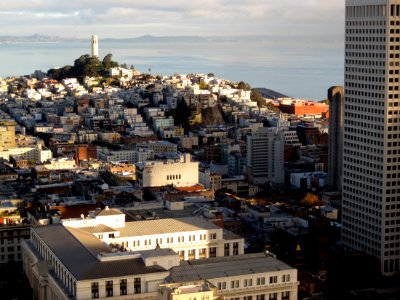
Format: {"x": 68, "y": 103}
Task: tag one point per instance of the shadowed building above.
{"x": 336, "y": 110}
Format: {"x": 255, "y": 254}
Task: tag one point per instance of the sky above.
{"x": 134, "y": 18}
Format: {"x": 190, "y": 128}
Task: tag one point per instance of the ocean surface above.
{"x": 294, "y": 69}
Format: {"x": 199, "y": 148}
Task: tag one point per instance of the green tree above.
{"x": 244, "y": 86}
{"x": 256, "y": 96}
{"x": 108, "y": 63}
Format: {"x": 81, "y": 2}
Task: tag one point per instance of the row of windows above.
{"x": 365, "y": 11}
{"x": 363, "y": 124}
{"x": 174, "y": 177}
{"x": 364, "y": 117}
{"x": 272, "y": 296}
{"x": 123, "y": 288}
{"x": 169, "y": 240}
{"x": 362, "y": 62}
{"x": 357, "y": 69}
{"x": 356, "y": 242}
{"x": 362, "y": 204}
{"x": 359, "y": 77}
{"x": 361, "y": 39}
{"x": 249, "y": 282}
{"x": 365, "y": 54}
{"x": 354, "y": 195}
{"x": 362, "y": 31}
{"x": 364, "y": 85}
{"x": 364, "y": 93}
{"x": 366, "y": 23}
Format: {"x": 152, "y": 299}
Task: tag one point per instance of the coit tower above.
{"x": 95, "y": 46}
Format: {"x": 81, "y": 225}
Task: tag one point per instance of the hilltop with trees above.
{"x": 86, "y": 65}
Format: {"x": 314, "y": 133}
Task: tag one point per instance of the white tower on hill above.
{"x": 95, "y": 46}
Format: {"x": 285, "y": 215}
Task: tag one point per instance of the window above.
{"x": 137, "y": 286}
{"x": 273, "y": 279}
{"x": 260, "y": 297}
{"x": 222, "y": 285}
{"x": 286, "y": 278}
{"x": 95, "y": 290}
{"x": 235, "y": 249}
{"x": 234, "y": 284}
{"x": 109, "y": 288}
{"x": 248, "y": 298}
{"x": 111, "y": 235}
{"x": 123, "y": 289}
{"x": 273, "y": 296}
{"x": 191, "y": 254}
{"x": 100, "y": 236}
{"x": 260, "y": 280}
{"x": 202, "y": 253}
{"x": 226, "y": 249}
{"x": 213, "y": 236}
{"x": 248, "y": 282}
{"x": 286, "y": 295}
{"x": 213, "y": 252}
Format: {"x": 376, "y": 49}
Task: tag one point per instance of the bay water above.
{"x": 298, "y": 70}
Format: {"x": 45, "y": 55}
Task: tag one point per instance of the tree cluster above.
{"x": 85, "y": 65}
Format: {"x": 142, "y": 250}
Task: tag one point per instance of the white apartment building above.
{"x": 371, "y": 146}
{"x": 158, "y": 146}
{"x": 63, "y": 163}
{"x": 177, "y": 172}
{"x": 37, "y": 153}
{"x": 87, "y": 136}
{"x": 130, "y": 156}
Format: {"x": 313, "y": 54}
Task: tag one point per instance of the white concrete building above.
{"x": 63, "y": 163}
{"x": 130, "y": 156}
{"x": 177, "y": 172}
{"x": 69, "y": 260}
{"x": 37, "y": 153}
{"x": 265, "y": 156}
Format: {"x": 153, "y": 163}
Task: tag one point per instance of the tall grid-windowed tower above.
{"x": 371, "y": 141}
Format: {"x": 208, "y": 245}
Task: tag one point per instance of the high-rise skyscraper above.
{"x": 95, "y": 46}
{"x": 336, "y": 111}
{"x": 265, "y": 156}
{"x": 371, "y": 143}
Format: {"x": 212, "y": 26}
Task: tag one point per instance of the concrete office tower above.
{"x": 265, "y": 156}
{"x": 371, "y": 137}
{"x": 95, "y": 46}
{"x": 336, "y": 112}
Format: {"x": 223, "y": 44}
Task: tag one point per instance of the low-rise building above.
{"x": 178, "y": 172}
{"x": 89, "y": 268}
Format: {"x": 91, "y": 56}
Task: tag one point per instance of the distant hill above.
{"x": 38, "y": 38}
{"x": 35, "y": 38}
{"x": 270, "y": 94}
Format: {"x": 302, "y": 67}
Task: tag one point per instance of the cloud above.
{"x": 127, "y": 18}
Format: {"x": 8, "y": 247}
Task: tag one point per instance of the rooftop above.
{"x": 222, "y": 267}
{"x": 162, "y": 226}
{"x": 80, "y": 256}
